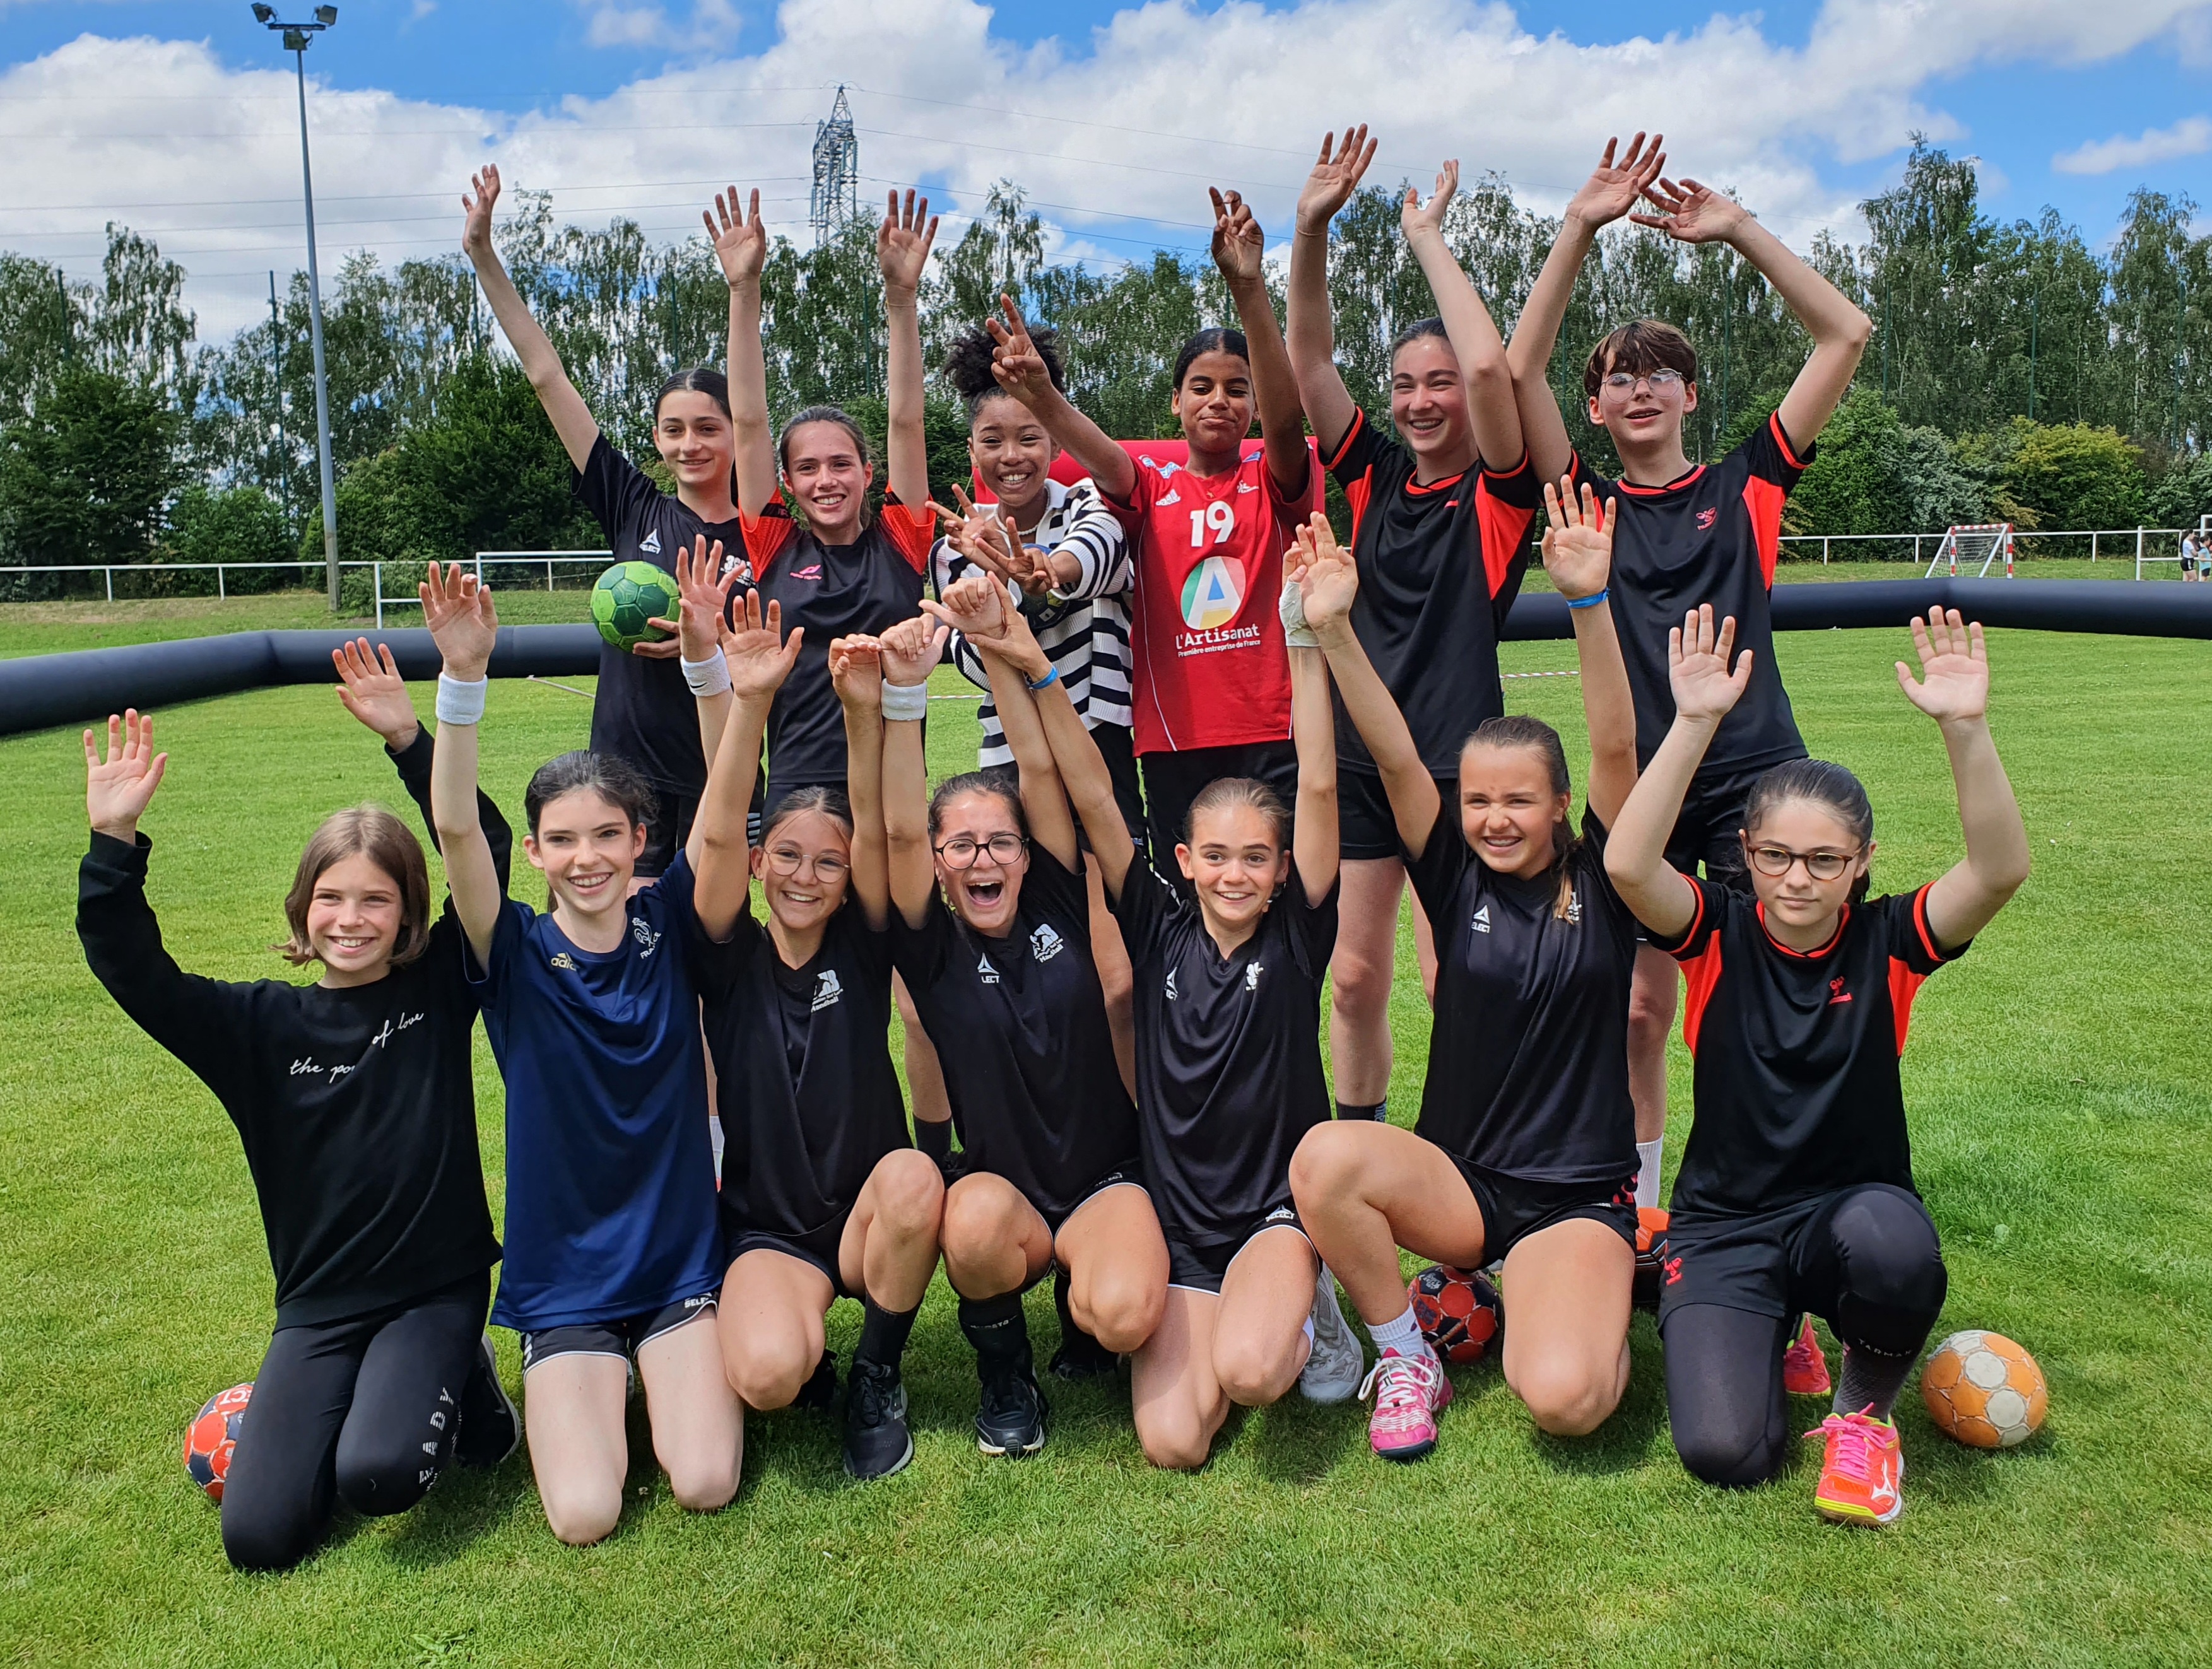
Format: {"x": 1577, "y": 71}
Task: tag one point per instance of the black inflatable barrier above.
{"x": 37, "y": 691}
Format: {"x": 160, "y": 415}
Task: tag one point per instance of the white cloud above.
{"x": 2190, "y": 137}
{"x": 169, "y": 137}
{"x": 631, "y": 26}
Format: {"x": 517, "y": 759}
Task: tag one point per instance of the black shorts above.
{"x": 1709, "y": 829}
{"x": 1127, "y": 1175}
{"x": 1365, "y": 825}
{"x": 667, "y": 826}
{"x": 817, "y": 1247}
{"x": 1173, "y": 780}
{"x": 1201, "y": 1267}
{"x": 1773, "y": 1263}
{"x": 1117, "y": 747}
{"x": 1513, "y": 1208}
{"x": 623, "y": 1337}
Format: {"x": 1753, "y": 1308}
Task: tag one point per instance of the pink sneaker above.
{"x": 1862, "y": 1470}
{"x": 1410, "y": 1392}
{"x": 1804, "y": 1369}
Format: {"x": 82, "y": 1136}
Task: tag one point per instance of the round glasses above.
{"x": 1659, "y": 381}
{"x": 1775, "y": 861}
{"x": 961, "y": 851}
{"x": 789, "y": 860}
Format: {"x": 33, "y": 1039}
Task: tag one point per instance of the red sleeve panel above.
{"x": 767, "y": 534}
{"x": 912, "y": 530}
{"x": 1763, "y": 501}
{"x": 1505, "y": 507}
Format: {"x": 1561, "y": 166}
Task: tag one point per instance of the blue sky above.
{"x": 1805, "y": 109}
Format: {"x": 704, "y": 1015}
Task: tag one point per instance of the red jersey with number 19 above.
{"x": 1206, "y": 641}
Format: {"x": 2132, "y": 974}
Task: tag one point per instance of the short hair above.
{"x": 998, "y": 783}
{"x": 699, "y": 380}
{"x": 370, "y": 832}
{"x": 1214, "y": 339}
{"x": 1829, "y": 786}
{"x": 1225, "y": 792}
{"x": 1639, "y": 347}
{"x": 968, "y": 367}
{"x": 821, "y": 414}
{"x": 611, "y": 777}
{"x": 1532, "y": 735}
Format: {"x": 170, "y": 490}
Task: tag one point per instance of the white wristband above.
{"x": 707, "y": 677}
{"x": 1297, "y": 634}
{"x": 461, "y": 702}
{"x": 905, "y": 701}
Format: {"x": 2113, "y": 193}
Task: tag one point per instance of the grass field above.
{"x": 2061, "y": 1083}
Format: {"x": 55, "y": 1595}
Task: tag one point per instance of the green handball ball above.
{"x": 627, "y": 595}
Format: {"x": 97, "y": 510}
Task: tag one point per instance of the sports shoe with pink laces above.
{"x": 1804, "y": 1369}
{"x": 1862, "y": 1469}
{"x": 1410, "y": 1392}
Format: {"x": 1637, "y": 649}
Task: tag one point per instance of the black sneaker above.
{"x": 1080, "y": 1357}
{"x": 490, "y": 1427}
{"x": 1010, "y": 1420}
{"x": 876, "y": 1441}
{"x": 820, "y": 1391}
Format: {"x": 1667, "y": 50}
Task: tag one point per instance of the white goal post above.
{"x": 1991, "y": 539}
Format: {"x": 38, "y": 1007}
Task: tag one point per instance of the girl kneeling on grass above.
{"x": 1525, "y": 1148}
{"x": 822, "y": 1196}
{"x": 356, "y": 1105}
{"x": 1795, "y": 1192}
{"x": 1001, "y": 965}
{"x": 1228, "y": 1072}
{"x": 613, "y": 1252}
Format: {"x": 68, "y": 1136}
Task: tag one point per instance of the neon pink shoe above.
{"x": 1410, "y": 1392}
{"x": 1862, "y": 1470}
{"x": 1804, "y": 1369}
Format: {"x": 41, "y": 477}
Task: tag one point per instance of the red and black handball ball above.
{"x": 1459, "y": 1312}
{"x": 211, "y": 1436}
{"x": 1651, "y": 1255}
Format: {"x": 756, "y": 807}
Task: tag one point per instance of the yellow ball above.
{"x": 1984, "y": 1390}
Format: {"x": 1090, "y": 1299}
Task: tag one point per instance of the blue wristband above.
{"x": 1045, "y": 682}
{"x": 1589, "y": 602}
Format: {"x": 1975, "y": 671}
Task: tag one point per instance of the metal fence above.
{"x": 2122, "y": 545}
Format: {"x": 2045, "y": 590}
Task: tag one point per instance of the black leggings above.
{"x": 363, "y": 1409}
{"x": 1869, "y": 1264}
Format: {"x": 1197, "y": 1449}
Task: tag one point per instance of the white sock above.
{"x": 1402, "y": 1335}
{"x": 1646, "y": 1170}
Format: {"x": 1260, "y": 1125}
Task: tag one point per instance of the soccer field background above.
{"x": 2060, "y": 1084}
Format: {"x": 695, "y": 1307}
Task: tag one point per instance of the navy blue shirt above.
{"x": 610, "y": 1172}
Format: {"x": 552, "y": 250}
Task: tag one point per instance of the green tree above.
{"x": 85, "y": 476}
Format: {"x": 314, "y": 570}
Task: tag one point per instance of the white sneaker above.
{"x": 1333, "y": 1370}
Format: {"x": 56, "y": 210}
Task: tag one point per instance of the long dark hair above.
{"x": 610, "y": 776}
{"x": 1532, "y": 735}
{"x": 699, "y": 380}
{"x": 1214, "y": 339}
{"x": 1826, "y": 785}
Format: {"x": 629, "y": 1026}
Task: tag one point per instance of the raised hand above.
{"x": 911, "y": 649}
{"x": 463, "y": 622}
{"x": 1414, "y": 219}
{"x": 1615, "y": 187}
{"x": 1691, "y": 213}
{"x": 1335, "y": 177}
{"x": 476, "y": 225}
{"x": 973, "y": 607}
{"x": 702, "y": 595}
{"x": 740, "y": 241}
{"x": 902, "y": 244}
{"x": 1323, "y": 573}
{"x": 1578, "y": 543}
{"x": 755, "y": 650}
{"x": 856, "y": 672}
{"x": 1954, "y": 668}
{"x": 1239, "y": 246}
{"x": 979, "y": 533}
{"x": 1015, "y": 361}
{"x": 1706, "y": 690}
{"x": 374, "y": 692}
{"x": 116, "y": 789}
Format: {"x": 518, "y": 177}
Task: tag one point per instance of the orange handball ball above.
{"x": 1984, "y": 1390}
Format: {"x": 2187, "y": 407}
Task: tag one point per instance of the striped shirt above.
{"x": 1083, "y": 631}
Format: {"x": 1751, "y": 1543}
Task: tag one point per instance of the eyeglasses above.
{"x": 961, "y": 851}
{"x": 1776, "y": 862}
{"x": 789, "y": 860}
{"x": 1660, "y": 381}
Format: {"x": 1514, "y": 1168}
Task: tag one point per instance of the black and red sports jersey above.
{"x": 1439, "y": 567}
{"x": 1797, "y": 1086}
{"x": 1710, "y": 536}
{"x": 833, "y": 590}
{"x": 1527, "y": 1062}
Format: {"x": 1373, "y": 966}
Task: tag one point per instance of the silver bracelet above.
{"x": 707, "y": 677}
{"x": 459, "y": 701}
{"x": 906, "y": 701}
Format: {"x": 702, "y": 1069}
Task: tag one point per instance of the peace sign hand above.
{"x": 1691, "y": 213}
{"x": 902, "y": 244}
{"x": 1578, "y": 543}
{"x": 702, "y": 595}
{"x": 740, "y": 241}
{"x": 1613, "y": 189}
{"x": 1240, "y": 246}
{"x": 1015, "y": 361}
{"x": 476, "y": 225}
{"x": 1953, "y": 686}
{"x": 117, "y": 789}
{"x": 1413, "y": 219}
{"x": 376, "y": 695}
{"x": 1706, "y": 691}
{"x": 1335, "y": 177}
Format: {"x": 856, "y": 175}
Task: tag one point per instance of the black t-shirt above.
{"x": 833, "y": 590}
{"x": 1711, "y": 537}
{"x": 1020, "y": 1025}
{"x": 1439, "y": 567}
{"x": 1797, "y": 1085}
{"x": 1527, "y": 1060}
{"x": 356, "y": 1107}
{"x": 803, "y": 1073}
{"x": 645, "y": 710}
{"x": 1229, "y": 1073}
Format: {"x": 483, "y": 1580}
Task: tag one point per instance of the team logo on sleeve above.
{"x": 1045, "y": 943}
{"x": 650, "y": 543}
{"x": 828, "y": 993}
{"x": 984, "y": 971}
{"x": 1214, "y": 593}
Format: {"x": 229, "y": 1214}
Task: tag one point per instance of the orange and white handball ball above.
{"x": 1985, "y": 1390}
